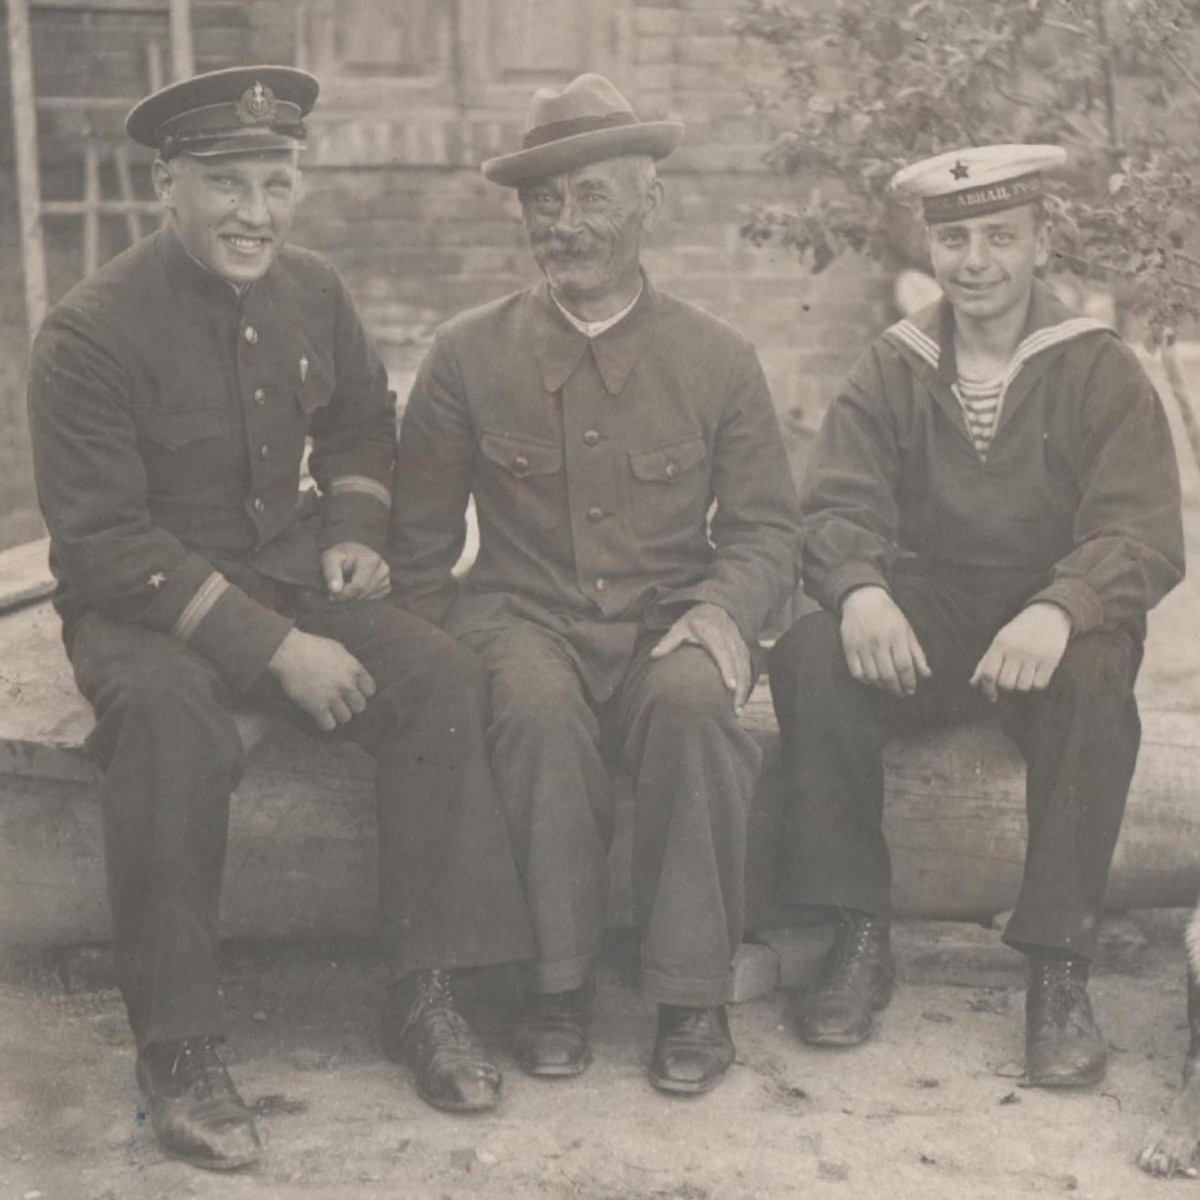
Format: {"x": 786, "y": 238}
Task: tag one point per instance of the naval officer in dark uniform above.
{"x": 172, "y": 394}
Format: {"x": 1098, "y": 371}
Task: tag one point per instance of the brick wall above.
{"x": 396, "y": 200}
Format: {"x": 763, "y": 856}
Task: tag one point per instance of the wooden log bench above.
{"x": 302, "y": 840}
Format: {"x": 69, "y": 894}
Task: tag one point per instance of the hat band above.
{"x": 557, "y": 130}
{"x": 985, "y": 198}
{"x": 215, "y": 119}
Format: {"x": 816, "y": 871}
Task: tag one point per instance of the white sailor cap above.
{"x": 978, "y": 179}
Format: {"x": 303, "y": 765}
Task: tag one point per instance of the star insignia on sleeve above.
{"x": 960, "y": 170}
{"x": 156, "y": 580}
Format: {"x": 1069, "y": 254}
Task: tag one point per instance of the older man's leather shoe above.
{"x": 1063, "y": 1044}
{"x": 693, "y": 1049}
{"x": 855, "y": 983}
{"x": 551, "y": 1035}
{"x": 423, "y": 1028}
{"x": 194, "y": 1109}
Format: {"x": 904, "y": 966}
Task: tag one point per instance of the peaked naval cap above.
{"x": 240, "y": 110}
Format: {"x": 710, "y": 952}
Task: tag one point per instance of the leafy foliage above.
{"x": 866, "y": 86}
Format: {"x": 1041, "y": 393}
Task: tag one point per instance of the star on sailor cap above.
{"x": 156, "y": 580}
{"x": 978, "y": 179}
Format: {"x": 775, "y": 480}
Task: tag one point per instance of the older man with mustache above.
{"x": 596, "y": 421}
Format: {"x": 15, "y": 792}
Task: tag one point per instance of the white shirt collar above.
{"x": 593, "y": 329}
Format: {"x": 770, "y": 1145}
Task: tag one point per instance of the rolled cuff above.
{"x": 847, "y": 577}
{"x": 1078, "y": 600}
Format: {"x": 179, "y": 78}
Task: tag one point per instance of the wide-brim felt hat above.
{"x": 587, "y": 121}
{"x": 239, "y": 110}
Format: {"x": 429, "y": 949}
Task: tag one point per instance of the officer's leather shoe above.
{"x": 1063, "y": 1044}
{"x": 550, "y": 1037}
{"x": 855, "y": 983}
{"x": 423, "y": 1028}
{"x": 692, "y": 1050}
{"x": 194, "y": 1109}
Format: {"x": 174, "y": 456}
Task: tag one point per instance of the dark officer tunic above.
{"x": 594, "y": 465}
{"x": 170, "y": 415}
{"x": 1076, "y": 504}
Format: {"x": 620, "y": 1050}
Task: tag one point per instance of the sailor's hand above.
{"x": 1025, "y": 654}
{"x": 880, "y": 646}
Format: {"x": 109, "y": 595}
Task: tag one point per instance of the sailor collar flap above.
{"x": 559, "y": 346}
{"x": 927, "y": 341}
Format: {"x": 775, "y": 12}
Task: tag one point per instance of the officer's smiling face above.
{"x": 233, "y": 213}
{"x": 986, "y": 264}
{"x": 585, "y": 226}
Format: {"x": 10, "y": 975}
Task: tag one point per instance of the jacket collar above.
{"x": 559, "y": 346}
{"x": 193, "y": 279}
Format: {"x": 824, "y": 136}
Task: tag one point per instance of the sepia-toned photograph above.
{"x": 594, "y": 599}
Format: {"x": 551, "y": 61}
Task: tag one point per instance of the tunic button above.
{"x": 602, "y": 585}
{"x": 520, "y": 463}
{"x": 258, "y": 504}
{"x": 260, "y": 395}
{"x": 251, "y": 334}
{"x": 591, "y": 437}
{"x": 670, "y": 470}
{"x": 595, "y": 514}
{"x": 264, "y": 452}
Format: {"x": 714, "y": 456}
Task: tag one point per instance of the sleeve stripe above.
{"x": 199, "y": 606}
{"x": 363, "y": 486}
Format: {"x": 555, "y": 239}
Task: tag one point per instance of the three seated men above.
{"x": 992, "y": 509}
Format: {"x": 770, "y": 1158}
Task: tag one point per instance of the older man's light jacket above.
{"x": 594, "y": 465}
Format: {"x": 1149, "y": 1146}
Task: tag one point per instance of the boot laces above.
{"x": 850, "y": 956}
{"x": 433, "y": 1008}
{"x": 197, "y": 1067}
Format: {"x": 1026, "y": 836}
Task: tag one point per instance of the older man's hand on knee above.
{"x": 715, "y": 631}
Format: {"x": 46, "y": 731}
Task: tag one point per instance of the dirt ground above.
{"x": 928, "y": 1109}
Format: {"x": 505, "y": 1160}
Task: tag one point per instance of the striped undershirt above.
{"x": 981, "y": 406}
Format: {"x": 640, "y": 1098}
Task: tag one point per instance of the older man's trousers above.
{"x": 449, "y": 893}
{"x": 670, "y": 723}
{"x": 1079, "y": 738}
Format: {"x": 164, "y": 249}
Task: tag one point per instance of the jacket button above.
{"x": 591, "y": 437}
{"x": 602, "y": 585}
{"x": 260, "y": 395}
{"x": 258, "y": 504}
{"x": 264, "y": 451}
{"x": 251, "y": 334}
{"x": 595, "y": 514}
{"x": 520, "y": 463}
{"x": 670, "y": 470}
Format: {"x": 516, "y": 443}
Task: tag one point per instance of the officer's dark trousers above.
{"x": 671, "y": 724}
{"x": 449, "y": 893}
{"x": 1079, "y": 738}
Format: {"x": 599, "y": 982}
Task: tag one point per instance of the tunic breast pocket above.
{"x": 520, "y": 484}
{"x": 669, "y": 489}
{"x": 314, "y": 383}
{"x": 520, "y": 457}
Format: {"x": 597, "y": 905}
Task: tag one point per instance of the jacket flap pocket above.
{"x": 314, "y": 382}
{"x": 520, "y": 456}
{"x": 667, "y": 463}
{"x": 174, "y": 428}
